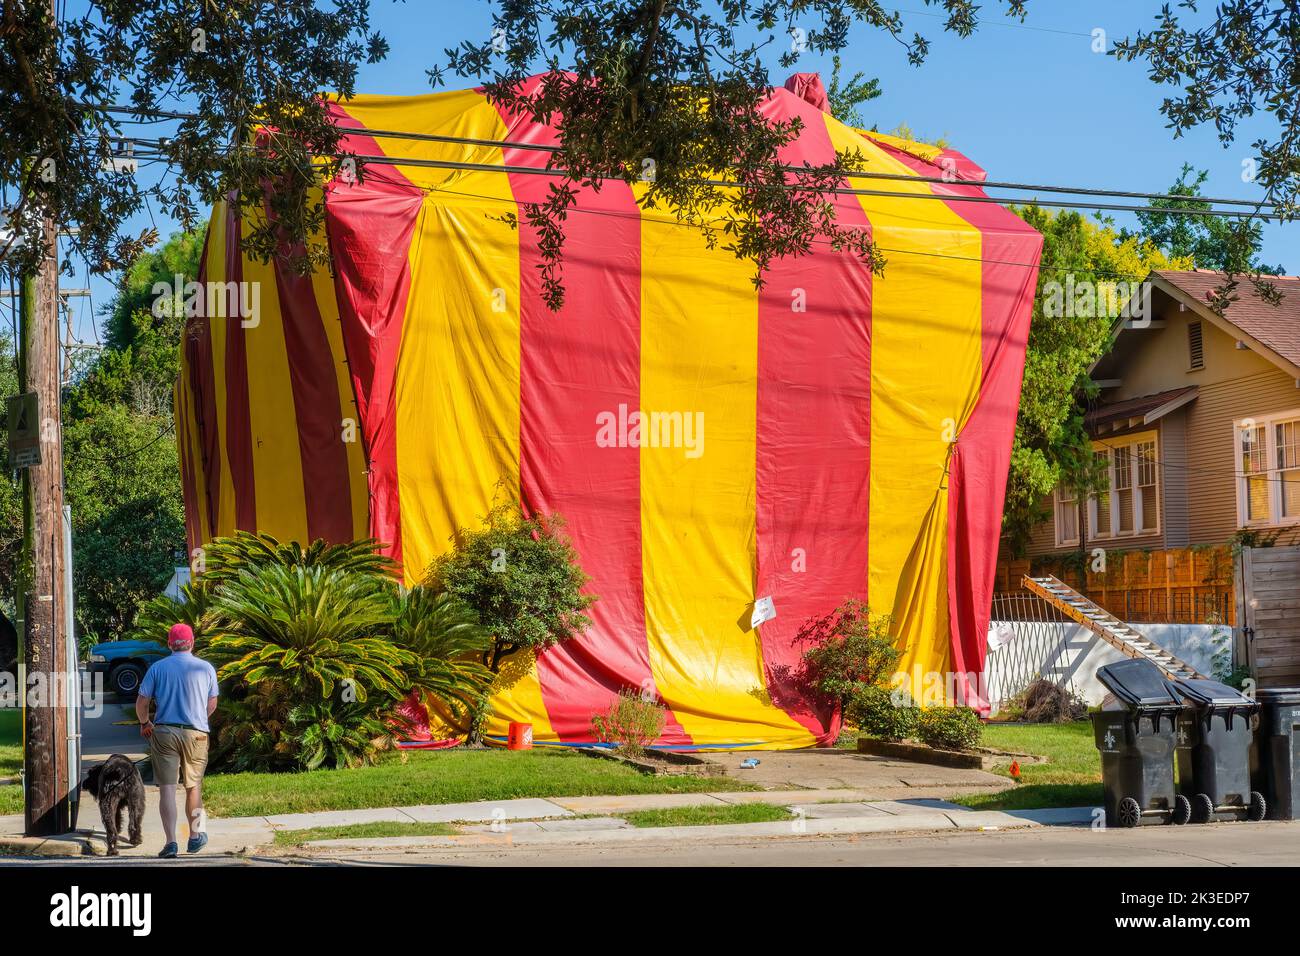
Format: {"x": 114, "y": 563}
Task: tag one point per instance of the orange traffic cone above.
{"x": 1015, "y": 770}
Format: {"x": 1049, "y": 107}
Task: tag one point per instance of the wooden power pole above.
{"x": 50, "y": 779}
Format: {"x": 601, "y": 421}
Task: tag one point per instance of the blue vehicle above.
{"x": 124, "y": 663}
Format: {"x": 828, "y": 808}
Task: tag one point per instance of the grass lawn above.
{"x": 1070, "y": 778}
{"x": 447, "y": 776}
{"x": 362, "y": 830}
{"x": 708, "y": 815}
{"x": 11, "y": 759}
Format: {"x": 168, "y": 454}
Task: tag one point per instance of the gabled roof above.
{"x": 1271, "y": 330}
{"x": 1132, "y": 412}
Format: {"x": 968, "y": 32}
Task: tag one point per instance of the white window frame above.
{"x": 1058, "y": 502}
{"x": 1268, "y": 422}
{"x": 1112, "y": 533}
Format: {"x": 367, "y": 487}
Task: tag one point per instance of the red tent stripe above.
{"x": 203, "y": 392}
{"x": 326, "y": 488}
{"x": 184, "y": 437}
{"x": 370, "y": 225}
{"x": 575, "y": 365}
{"x": 1010, "y": 251}
{"x": 813, "y": 434}
{"x": 239, "y": 436}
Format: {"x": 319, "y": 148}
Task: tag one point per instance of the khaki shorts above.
{"x": 179, "y": 754}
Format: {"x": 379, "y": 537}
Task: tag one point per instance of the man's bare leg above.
{"x": 194, "y": 810}
{"x": 167, "y": 809}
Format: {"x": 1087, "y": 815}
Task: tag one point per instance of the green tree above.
{"x": 520, "y": 573}
{"x": 122, "y": 483}
{"x": 1211, "y": 242}
{"x": 11, "y": 494}
{"x": 251, "y": 70}
{"x": 1095, "y": 264}
{"x": 676, "y": 88}
{"x": 1239, "y": 63}
{"x": 846, "y": 96}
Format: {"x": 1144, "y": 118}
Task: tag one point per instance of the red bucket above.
{"x": 520, "y": 736}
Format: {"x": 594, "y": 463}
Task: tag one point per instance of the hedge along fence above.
{"x": 1173, "y": 585}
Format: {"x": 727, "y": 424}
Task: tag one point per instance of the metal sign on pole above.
{"x": 24, "y": 413}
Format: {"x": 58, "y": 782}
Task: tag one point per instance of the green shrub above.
{"x": 315, "y": 648}
{"x": 950, "y": 728}
{"x": 633, "y": 722}
{"x": 520, "y": 573}
{"x": 851, "y": 651}
{"x": 873, "y": 711}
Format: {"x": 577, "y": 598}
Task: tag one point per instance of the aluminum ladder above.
{"x": 1107, "y": 626}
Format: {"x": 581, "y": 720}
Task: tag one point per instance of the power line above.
{"x": 133, "y": 452}
{"x": 841, "y": 191}
{"x": 850, "y": 174}
{"x": 1054, "y": 269}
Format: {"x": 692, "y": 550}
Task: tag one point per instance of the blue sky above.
{"x": 1030, "y": 103}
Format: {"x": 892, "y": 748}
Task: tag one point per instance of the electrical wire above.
{"x": 135, "y": 451}
{"x": 850, "y": 174}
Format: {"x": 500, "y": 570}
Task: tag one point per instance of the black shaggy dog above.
{"x": 116, "y": 784}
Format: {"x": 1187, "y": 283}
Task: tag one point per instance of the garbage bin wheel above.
{"x": 1182, "y": 810}
{"x": 1130, "y": 812}
{"x": 1202, "y": 808}
{"x": 1258, "y": 806}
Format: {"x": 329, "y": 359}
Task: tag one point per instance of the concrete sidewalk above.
{"x": 558, "y": 820}
{"x": 807, "y": 818}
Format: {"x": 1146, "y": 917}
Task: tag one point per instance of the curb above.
{"x": 70, "y": 845}
{"x": 908, "y": 823}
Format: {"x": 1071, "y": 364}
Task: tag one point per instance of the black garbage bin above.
{"x": 1276, "y": 764}
{"x": 1213, "y": 752}
{"x": 1136, "y": 740}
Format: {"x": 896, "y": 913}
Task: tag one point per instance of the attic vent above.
{"x": 1195, "y": 346}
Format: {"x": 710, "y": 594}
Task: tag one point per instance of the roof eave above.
{"x": 1224, "y": 325}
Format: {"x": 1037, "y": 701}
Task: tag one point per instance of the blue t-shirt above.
{"x": 181, "y": 685}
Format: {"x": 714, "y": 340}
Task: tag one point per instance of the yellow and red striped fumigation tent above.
{"x": 833, "y": 435}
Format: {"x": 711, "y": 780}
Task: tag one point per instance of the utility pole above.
{"x": 49, "y": 776}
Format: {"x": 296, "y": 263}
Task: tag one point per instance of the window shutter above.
{"x": 1195, "y": 346}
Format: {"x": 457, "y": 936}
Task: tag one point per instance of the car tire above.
{"x": 125, "y": 679}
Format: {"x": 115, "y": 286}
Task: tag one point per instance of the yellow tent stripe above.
{"x": 924, "y": 306}
{"x": 699, "y": 357}
{"x": 458, "y": 370}
{"x": 277, "y": 458}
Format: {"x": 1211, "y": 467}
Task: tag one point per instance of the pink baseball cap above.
{"x": 180, "y": 637}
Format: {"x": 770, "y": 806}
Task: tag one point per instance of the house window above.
{"x": 1128, "y": 503}
{"x": 1195, "y": 346}
{"x": 1254, "y": 466}
{"x": 1268, "y": 480}
{"x": 1288, "y": 465}
{"x": 1099, "y": 504}
{"x": 1067, "y": 517}
{"x": 1144, "y": 454}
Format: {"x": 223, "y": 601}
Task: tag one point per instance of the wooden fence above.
{"x": 1270, "y": 589}
{"x": 1174, "y": 586}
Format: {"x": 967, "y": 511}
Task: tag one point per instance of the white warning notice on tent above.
{"x": 764, "y": 610}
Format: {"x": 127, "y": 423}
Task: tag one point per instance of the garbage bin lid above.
{"x": 1203, "y": 693}
{"x": 1138, "y": 683}
{"x": 1278, "y": 695}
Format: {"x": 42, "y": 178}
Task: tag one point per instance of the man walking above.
{"x": 185, "y": 691}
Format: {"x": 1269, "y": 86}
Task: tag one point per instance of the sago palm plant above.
{"x": 446, "y": 636}
{"x": 315, "y": 630}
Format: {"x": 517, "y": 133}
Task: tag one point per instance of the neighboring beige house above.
{"x": 1198, "y": 422}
